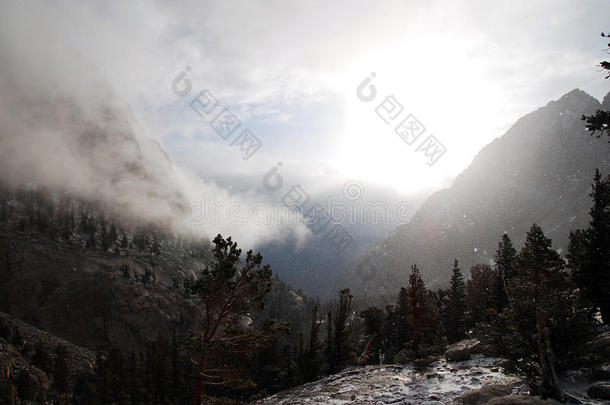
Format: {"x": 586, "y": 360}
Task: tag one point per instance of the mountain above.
{"x": 91, "y": 147}
{"x": 539, "y": 171}
{"x": 315, "y": 265}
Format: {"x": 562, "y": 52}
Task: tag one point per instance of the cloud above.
{"x": 63, "y": 126}
{"x": 289, "y": 71}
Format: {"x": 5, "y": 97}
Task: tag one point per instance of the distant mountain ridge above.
{"x": 539, "y": 171}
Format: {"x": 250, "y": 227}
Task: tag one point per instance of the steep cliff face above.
{"x": 539, "y": 171}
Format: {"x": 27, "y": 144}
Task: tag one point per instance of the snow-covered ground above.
{"x": 437, "y": 384}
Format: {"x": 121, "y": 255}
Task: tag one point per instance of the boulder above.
{"x": 423, "y": 362}
{"x": 482, "y": 395}
{"x": 457, "y": 355}
{"x": 517, "y": 400}
{"x": 484, "y": 349}
{"x": 462, "y": 350}
{"x": 599, "y": 391}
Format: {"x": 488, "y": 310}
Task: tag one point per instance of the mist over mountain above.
{"x": 539, "y": 171}
{"x": 64, "y": 127}
{"x": 315, "y": 265}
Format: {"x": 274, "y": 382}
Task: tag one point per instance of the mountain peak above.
{"x": 575, "y": 96}
{"x": 539, "y": 171}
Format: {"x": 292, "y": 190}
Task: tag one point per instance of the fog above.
{"x": 62, "y": 126}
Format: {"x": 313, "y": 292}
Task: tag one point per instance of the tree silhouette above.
{"x": 505, "y": 260}
{"x": 229, "y": 290}
{"x": 600, "y": 120}
{"x": 456, "y": 306}
{"x": 589, "y": 249}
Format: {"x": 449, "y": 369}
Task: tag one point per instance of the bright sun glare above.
{"x": 446, "y": 103}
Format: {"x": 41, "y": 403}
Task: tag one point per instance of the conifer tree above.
{"x": 343, "y": 349}
{"x": 402, "y": 318}
{"x": 124, "y": 239}
{"x": 600, "y": 121}
{"x": 423, "y": 317}
{"x": 480, "y": 294}
{"x": 505, "y": 260}
{"x": 229, "y": 291}
{"x": 112, "y": 234}
{"x": 4, "y": 211}
{"x": 589, "y": 250}
{"x": 330, "y": 344}
{"x": 540, "y": 282}
{"x": 389, "y": 334}
{"x": 104, "y": 235}
{"x": 456, "y": 306}
{"x": 312, "y": 353}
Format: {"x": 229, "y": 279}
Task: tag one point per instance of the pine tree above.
{"x": 373, "y": 329}
{"x": 389, "y": 334}
{"x": 112, "y": 234}
{"x": 104, "y": 236}
{"x": 330, "y": 345}
{"x": 423, "y": 317}
{"x": 124, "y": 239}
{"x": 301, "y": 359}
{"x": 312, "y": 354}
{"x": 480, "y": 296}
{"x": 589, "y": 250}
{"x": 600, "y": 121}
{"x": 577, "y": 257}
{"x": 140, "y": 239}
{"x": 456, "y": 306}
{"x": 505, "y": 262}
{"x": 90, "y": 230}
{"x": 505, "y": 258}
{"x": 155, "y": 244}
{"x": 542, "y": 299}
{"x": 229, "y": 290}
{"x": 540, "y": 282}
{"x": 65, "y": 216}
{"x": 402, "y": 318}
{"x": 343, "y": 349}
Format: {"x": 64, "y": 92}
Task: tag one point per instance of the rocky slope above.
{"x": 19, "y": 344}
{"x": 539, "y": 171}
{"x": 83, "y": 296}
{"x": 475, "y": 380}
{"x": 440, "y": 383}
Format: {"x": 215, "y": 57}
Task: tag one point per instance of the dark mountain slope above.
{"x": 539, "y": 171}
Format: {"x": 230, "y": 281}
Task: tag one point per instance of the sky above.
{"x": 295, "y": 76}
